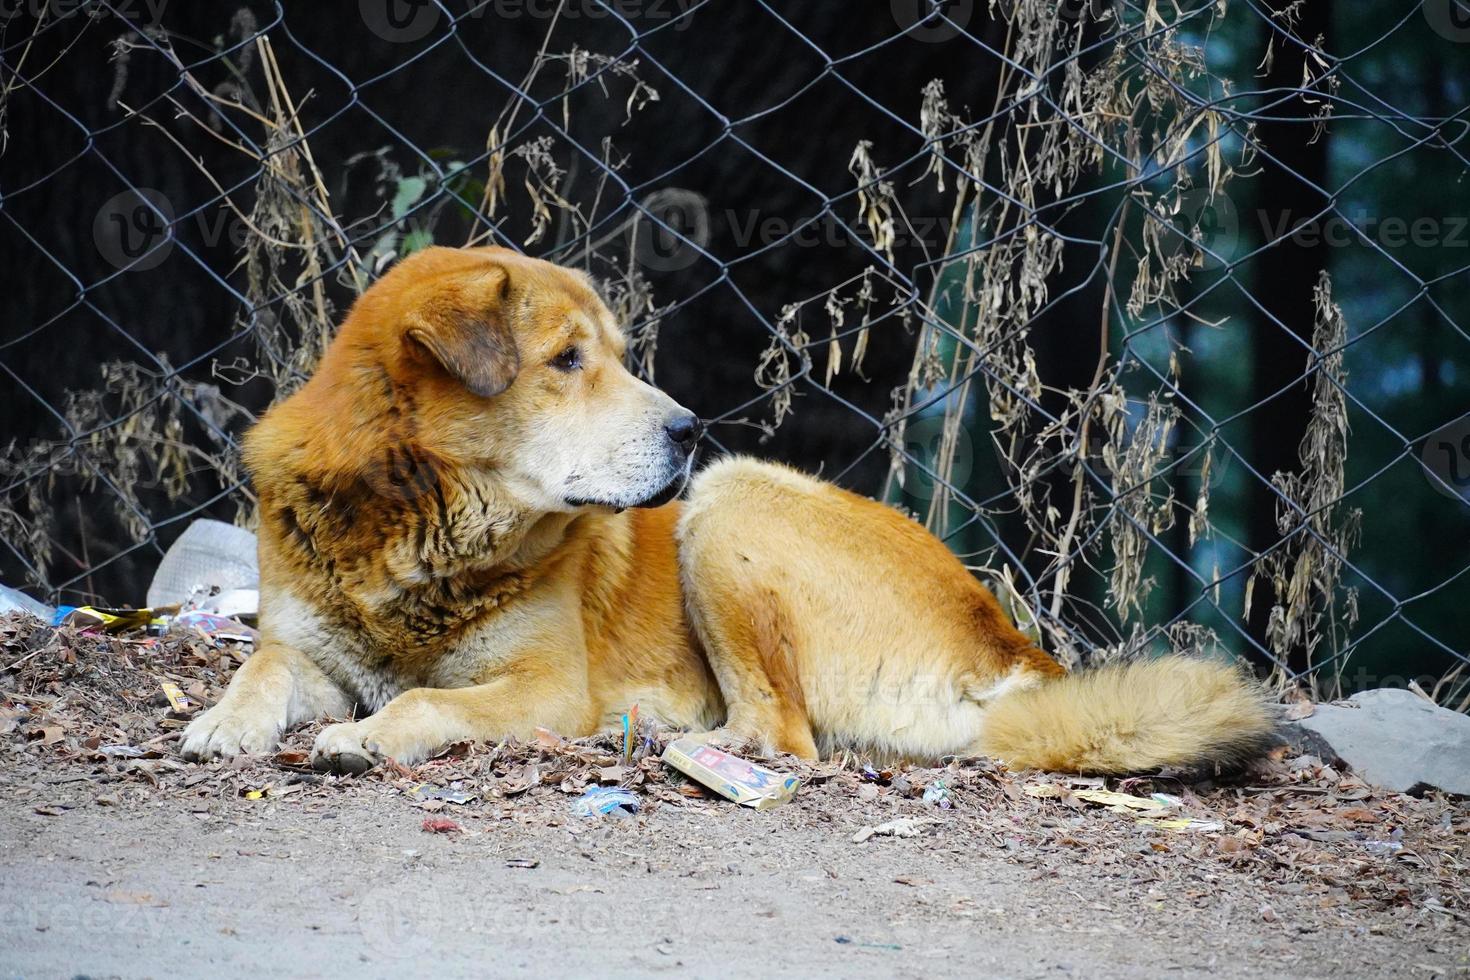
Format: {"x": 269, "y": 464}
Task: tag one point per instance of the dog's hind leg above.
{"x": 751, "y": 642}
{"x": 276, "y": 688}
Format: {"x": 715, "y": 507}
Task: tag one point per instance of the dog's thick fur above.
{"x": 452, "y": 547}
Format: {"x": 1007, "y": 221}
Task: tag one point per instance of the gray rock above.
{"x": 1398, "y": 740}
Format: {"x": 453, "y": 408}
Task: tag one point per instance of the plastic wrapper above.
{"x": 731, "y": 776}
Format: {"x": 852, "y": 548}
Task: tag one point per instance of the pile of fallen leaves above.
{"x": 84, "y": 715}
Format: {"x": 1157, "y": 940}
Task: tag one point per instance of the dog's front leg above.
{"x": 415, "y": 724}
{"x": 277, "y": 687}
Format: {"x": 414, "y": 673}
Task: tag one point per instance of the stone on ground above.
{"x": 1398, "y": 740}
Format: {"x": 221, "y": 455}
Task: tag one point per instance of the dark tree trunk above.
{"x": 1290, "y": 185}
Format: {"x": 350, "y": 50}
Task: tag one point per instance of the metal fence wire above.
{"x": 1154, "y": 311}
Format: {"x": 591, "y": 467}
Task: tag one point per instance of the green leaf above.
{"x": 415, "y": 240}
{"x": 410, "y": 189}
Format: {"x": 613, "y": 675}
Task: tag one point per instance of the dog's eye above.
{"x": 568, "y": 360}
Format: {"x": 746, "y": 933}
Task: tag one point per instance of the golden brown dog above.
{"x": 466, "y": 532}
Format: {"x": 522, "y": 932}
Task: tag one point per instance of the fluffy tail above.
{"x": 1133, "y": 717}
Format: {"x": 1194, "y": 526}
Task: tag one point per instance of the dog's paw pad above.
{"x": 345, "y": 748}
{"x": 344, "y": 762}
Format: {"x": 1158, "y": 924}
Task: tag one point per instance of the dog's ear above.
{"x": 465, "y": 328}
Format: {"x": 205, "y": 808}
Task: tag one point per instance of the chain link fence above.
{"x": 1154, "y": 311}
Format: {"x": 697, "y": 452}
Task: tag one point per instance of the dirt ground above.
{"x": 119, "y": 859}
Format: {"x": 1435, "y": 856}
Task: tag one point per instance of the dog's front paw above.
{"x": 357, "y": 746}
{"x": 227, "y": 730}
{"x": 345, "y": 747}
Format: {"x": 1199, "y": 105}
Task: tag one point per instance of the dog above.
{"x": 470, "y": 528}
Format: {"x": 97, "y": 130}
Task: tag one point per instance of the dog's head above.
{"x": 515, "y": 366}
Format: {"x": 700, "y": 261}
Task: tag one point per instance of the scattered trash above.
{"x": 1385, "y": 848}
{"x": 434, "y": 825}
{"x": 214, "y": 626}
{"x": 523, "y": 863}
{"x": 1185, "y": 823}
{"x": 1156, "y": 803}
{"x": 601, "y": 800}
{"x": 210, "y": 556}
{"x": 731, "y": 776}
{"x": 937, "y": 794}
{"x": 630, "y": 734}
{"x": 109, "y": 620}
{"x": 13, "y": 600}
{"x": 849, "y": 941}
{"x": 1120, "y": 802}
{"x": 177, "y": 699}
{"x": 239, "y": 604}
{"x": 428, "y": 791}
{"x": 902, "y": 827}
{"x": 120, "y": 751}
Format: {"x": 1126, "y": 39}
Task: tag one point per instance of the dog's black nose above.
{"x": 684, "y": 431}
